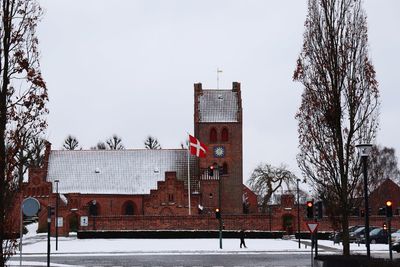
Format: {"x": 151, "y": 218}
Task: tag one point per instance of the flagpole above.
{"x": 188, "y": 160}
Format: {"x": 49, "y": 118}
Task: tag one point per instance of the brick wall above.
{"x": 231, "y": 222}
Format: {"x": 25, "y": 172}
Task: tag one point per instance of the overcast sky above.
{"x": 128, "y": 68}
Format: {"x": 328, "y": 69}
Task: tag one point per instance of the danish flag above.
{"x": 196, "y": 147}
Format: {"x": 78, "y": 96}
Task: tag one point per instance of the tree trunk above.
{"x": 345, "y": 226}
{"x": 3, "y": 178}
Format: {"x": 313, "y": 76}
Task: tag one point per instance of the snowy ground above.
{"x": 36, "y": 245}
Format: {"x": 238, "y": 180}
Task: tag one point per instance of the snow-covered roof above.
{"x": 218, "y": 106}
{"x": 116, "y": 171}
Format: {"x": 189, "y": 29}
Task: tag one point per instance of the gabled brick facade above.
{"x": 388, "y": 190}
{"x": 170, "y": 198}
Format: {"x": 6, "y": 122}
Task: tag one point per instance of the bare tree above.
{"x": 266, "y": 180}
{"x": 23, "y": 97}
{"x": 152, "y": 143}
{"x": 29, "y": 152}
{"x": 382, "y": 166}
{"x": 37, "y": 151}
{"x": 339, "y": 107}
{"x": 22, "y": 152}
{"x": 71, "y": 143}
{"x": 114, "y": 143}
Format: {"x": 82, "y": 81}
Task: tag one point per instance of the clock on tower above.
{"x": 219, "y": 151}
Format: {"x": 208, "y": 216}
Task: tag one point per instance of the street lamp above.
{"x": 364, "y": 150}
{"x": 57, "y": 181}
{"x": 219, "y": 205}
{"x": 298, "y": 212}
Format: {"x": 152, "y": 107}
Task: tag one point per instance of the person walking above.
{"x": 242, "y": 235}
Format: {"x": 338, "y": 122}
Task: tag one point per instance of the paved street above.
{"x": 226, "y": 260}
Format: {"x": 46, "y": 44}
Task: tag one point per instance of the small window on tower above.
{"x": 213, "y": 135}
{"x": 224, "y": 135}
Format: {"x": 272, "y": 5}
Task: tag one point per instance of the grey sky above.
{"x": 128, "y": 67}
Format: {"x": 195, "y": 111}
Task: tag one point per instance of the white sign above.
{"x": 60, "y": 222}
{"x": 84, "y": 221}
{"x": 312, "y": 227}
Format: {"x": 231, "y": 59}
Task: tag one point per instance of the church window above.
{"x": 224, "y": 135}
{"x": 225, "y": 168}
{"x": 213, "y": 135}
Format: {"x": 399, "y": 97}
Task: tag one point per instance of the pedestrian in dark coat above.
{"x": 242, "y": 235}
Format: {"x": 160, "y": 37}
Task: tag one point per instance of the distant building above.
{"x": 387, "y": 190}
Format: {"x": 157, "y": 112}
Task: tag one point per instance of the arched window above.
{"x": 128, "y": 210}
{"x": 224, "y": 135}
{"x": 213, "y": 135}
{"x": 225, "y": 168}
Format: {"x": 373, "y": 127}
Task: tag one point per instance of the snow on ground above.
{"x": 355, "y": 247}
{"x": 32, "y": 228}
{"x": 37, "y": 243}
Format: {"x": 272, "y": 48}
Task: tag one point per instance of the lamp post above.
{"x": 57, "y": 181}
{"x": 219, "y": 206}
{"x": 298, "y": 212}
{"x": 364, "y": 150}
{"x": 94, "y": 213}
{"x": 270, "y": 217}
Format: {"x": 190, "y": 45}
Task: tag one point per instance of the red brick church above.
{"x": 113, "y": 185}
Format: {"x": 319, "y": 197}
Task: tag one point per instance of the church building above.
{"x": 115, "y": 185}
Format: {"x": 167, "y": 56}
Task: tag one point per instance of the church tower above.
{"x": 218, "y": 124}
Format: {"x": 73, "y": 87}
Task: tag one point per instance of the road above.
{"x": 225, "y": 260}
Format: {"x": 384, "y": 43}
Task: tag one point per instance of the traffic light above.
{"x": 211, "y": 171}
{"x": 389, "y": 211}
{"x": 217, "y": 214}
{"x": 384, "y": 226}
{"x": 310, "y": 209}
{"x": 319, "y": 210}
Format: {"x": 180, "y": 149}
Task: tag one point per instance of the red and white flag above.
{"x": 196, "y": 147}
